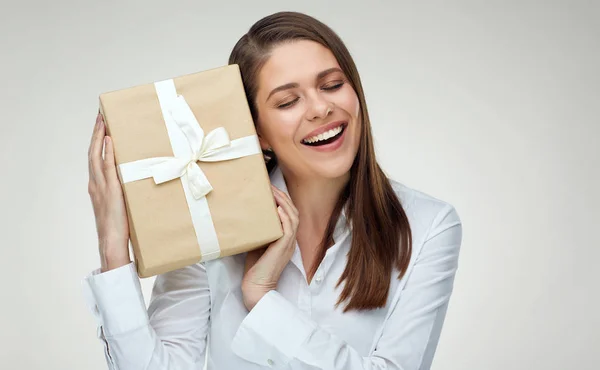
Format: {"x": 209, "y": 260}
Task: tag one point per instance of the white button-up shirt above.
{"x": 197, "y": 313}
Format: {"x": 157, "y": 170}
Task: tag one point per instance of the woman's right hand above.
{"x": 106, "y": 194}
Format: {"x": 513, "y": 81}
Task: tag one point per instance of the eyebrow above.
{"x": 293, "y": 85}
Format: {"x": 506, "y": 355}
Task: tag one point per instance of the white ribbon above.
{"x": 190, "y": 145}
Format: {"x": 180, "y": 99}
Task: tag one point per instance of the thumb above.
{"x": 110, "y": 171}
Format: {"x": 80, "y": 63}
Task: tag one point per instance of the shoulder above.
{"x": 428, "y": 215}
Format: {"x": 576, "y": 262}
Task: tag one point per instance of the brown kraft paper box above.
{"x": 241, "y": 203}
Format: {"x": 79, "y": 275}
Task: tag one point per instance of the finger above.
{"x": 283, "y": 197}
{"x": 284, "y": 245}
{"x": 98, "y": 119}
{"x": 110, "y": 170}
{"x": 289, "y": 214}
{"x": 289, "y": 201}
{"x": 287, "y": 205}
{"x": 90, "y": 148}
{"x": 286, "y": 223}
{"x": 96, "y": 153}
{"x": 278, "y": 191}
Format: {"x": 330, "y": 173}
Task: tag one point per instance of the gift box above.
{"x": 193, "y": 176}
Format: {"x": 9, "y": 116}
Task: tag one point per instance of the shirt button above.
{"x": 319, "y": 279}
{"x": 270, "y": 362}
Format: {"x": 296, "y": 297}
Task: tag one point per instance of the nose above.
{"x": 318, "y": 107}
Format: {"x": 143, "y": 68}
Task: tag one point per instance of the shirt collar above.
{"x": 278, "y": 181}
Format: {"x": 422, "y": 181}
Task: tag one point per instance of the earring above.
{"x": 268, "y": 154}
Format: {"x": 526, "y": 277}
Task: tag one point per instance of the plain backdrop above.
{"x": 492, "y": 106}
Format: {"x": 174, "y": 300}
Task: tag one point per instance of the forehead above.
{"x": 298, "y": 61}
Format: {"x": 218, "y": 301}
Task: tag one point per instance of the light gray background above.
{"x": 490, "y": 105}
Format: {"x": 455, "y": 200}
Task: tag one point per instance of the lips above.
{"x": 325, "y": 134}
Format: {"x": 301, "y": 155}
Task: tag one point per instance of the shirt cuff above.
{"x": 116, "y": 299}
{"x": 273, "y": 332}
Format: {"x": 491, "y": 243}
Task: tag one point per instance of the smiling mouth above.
{"x": 326, "y": 137}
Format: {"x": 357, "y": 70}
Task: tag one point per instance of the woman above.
{"x": 361, "y": 278}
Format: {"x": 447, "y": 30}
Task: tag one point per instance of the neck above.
{"x": 315, "y": 199}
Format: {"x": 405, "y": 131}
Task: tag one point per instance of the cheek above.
{"x": 350, "y": 103}
{"x": 354, "y": 111}
{"x": 279, "y": 125}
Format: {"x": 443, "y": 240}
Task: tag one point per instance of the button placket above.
{"x": 317, "y": 278}
{"x": 304, "y": 296}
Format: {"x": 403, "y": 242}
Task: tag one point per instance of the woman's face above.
{"x": 308, "y": 112}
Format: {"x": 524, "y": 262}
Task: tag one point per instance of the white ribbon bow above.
{"x": 216, "y": 146}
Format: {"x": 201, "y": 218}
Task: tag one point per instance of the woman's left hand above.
{"x": 264, "y": 266}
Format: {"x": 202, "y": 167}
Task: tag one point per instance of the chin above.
{"x": 334, "y": 168}
{"x": 331, "y": 164}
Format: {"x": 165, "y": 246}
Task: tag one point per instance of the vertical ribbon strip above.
{"x": 190, "y": 144}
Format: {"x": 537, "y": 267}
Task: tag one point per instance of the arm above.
{"x": 278, "y": 333}
{"x": 171, "y": 334}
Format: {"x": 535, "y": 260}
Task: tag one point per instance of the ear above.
{"x": 264, "y": 144}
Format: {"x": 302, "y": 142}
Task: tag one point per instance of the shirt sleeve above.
{"x": 170, "y": 334}
{"x": 278, "y": 334}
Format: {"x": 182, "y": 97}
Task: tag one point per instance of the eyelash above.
{"x": 330, "y": 88}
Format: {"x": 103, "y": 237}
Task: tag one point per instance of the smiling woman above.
{"x": 361, "y": 278}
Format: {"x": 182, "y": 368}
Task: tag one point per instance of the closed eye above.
{"x": 326, "y": 88}
{"x": 333, "y": 87}
{"x": 288, "y": 104}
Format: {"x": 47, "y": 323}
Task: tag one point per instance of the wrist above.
{"x": 252, "y": 295}
{"x": 111, "y": 264}
{"x": 113, "y": 255}
{"x": 113, "y": 242}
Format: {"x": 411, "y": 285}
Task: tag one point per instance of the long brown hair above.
{"x": 381, "y": 234}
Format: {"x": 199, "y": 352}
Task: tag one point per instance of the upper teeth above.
{"x": 324, "y": 136}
